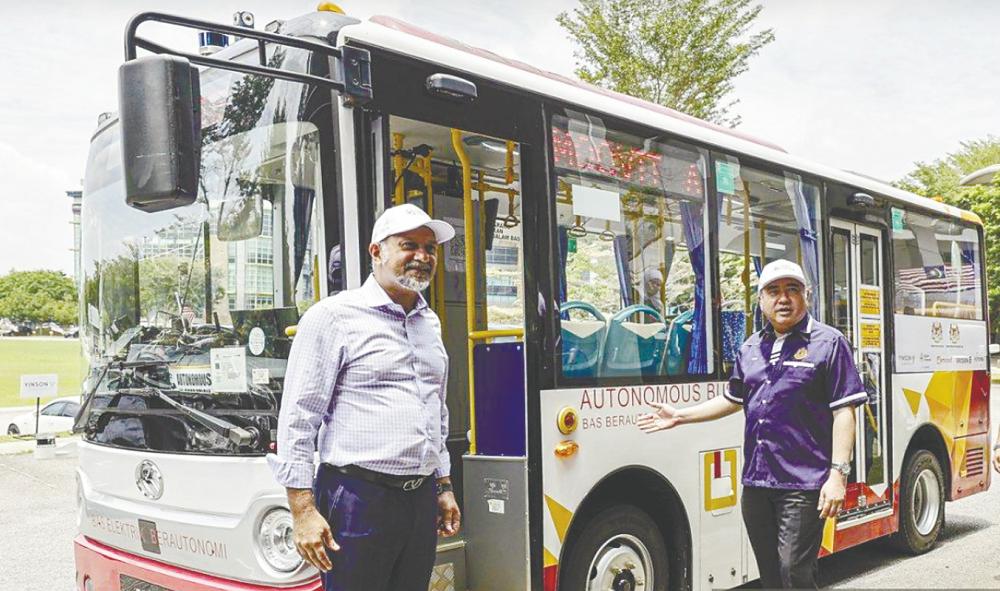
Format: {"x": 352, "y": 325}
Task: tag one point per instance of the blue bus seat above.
{"x": 631, "y": 348}
{"x": 675, "y": 362}
{"x": 582, "y": 341}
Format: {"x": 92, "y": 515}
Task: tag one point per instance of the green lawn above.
{"x": 38, "y": 355}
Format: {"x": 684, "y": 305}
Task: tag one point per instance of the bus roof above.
{"x": 396, "y": 35}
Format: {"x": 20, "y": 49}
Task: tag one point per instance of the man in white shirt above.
{"x": 365, "y": 385}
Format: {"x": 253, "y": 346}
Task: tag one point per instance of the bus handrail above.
{"x": 485, "y": 335}
{"x": 354, "y": 63}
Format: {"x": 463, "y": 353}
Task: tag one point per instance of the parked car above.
{"x": 55, "y": 417}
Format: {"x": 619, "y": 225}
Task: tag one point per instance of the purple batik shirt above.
{"x": 788, "y": 397}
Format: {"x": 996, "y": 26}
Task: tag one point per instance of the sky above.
{"x": 871, "y": 86}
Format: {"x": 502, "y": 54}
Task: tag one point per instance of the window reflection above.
{"x": 763, "y": 216}
{"x": 937, "y": 267}
{"x": 631, "y": 218}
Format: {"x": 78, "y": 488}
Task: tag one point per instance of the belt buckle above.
{"x": 414, "y": 484}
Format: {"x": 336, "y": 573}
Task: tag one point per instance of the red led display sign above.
{"x": 582, "y": 153}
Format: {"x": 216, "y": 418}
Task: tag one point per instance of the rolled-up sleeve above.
{"x": 844, "y": 385}
{"x": 736, "y": 392}
{"x": 313, "y": 365}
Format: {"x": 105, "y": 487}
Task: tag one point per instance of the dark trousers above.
{"x": 387, "y": 536}
{"x": 785, "y": 531}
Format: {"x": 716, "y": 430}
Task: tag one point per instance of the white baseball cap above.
{"x": 780, "y": 269}
{"x": 406, "y": 217}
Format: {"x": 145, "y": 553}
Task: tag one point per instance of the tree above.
{"x": 939, "y": 179}
{"x": 682, "y": 54}
{"x": 38, "y": 296}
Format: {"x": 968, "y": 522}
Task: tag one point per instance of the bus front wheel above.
{"x": 621, "y": 549}
{"x": 921, "y": 504}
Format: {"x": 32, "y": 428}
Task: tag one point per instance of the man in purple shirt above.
{"x": 365, "y": 388}
{"x": 797, "y": 384}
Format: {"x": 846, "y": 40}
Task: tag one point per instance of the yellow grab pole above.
{"x": 470, "y": 285}
{"x": 746, "y": 256}
{"x": 510, "y": 162}
{"x": 398, "y": 197}
{"x": 425, "y": 172}
{"x": 315, "y": 277}
{"x": 663, "y": 263}
{"x": 481, "y": 335}
{"x": 482, "y": 235}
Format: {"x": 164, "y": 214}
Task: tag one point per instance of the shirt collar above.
{"x": 804, "y": 328}
{"x": 376, "y": 297}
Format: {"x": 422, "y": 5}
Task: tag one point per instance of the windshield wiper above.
{"x": 237, "y": 435}
{"x": 84, "y": 412}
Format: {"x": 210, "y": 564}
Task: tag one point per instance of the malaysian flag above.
{"x": 940, "y": 278}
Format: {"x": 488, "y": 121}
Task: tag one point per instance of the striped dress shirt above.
{"x": 365, "y": 385}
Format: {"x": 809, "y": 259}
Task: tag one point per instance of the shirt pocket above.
{"x": 799, "y": 373}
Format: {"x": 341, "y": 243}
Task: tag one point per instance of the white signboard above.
{"x": 589, "y": 202}
{"x": 926, "y": 344}
{"x": 229, "y": 369}
{"x": 191, "y": 378}
{"x": 39, "y": 385}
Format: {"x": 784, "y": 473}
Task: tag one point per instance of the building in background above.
{"x": 77, "y": 197}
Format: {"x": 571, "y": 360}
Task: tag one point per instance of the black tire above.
{"x": 612, "y": 539}
{"x": 921, "y": 504}
{"x": 13, "y": 430}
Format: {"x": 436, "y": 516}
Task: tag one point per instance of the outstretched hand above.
{"x": 664, "y": 417}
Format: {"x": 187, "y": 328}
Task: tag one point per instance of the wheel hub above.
{"x": 624, "y": 581}
{"x": 926, "y": 502}
{"x": 622, "y": 563}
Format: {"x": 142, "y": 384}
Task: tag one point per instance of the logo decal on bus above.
{"x": 148, "y": 480}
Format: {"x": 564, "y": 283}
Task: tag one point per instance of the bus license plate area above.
{"x": 127, "y": 583}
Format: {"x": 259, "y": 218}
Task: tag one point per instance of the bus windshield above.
{"x": 195, "y": 301}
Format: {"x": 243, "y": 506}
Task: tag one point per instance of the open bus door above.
{"x": 858, "y": 311}
{"x": 468, "y": 151}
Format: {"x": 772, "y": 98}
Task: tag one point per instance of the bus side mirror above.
{"x": 159, "y": 109}
{"x": 994, "y": 348}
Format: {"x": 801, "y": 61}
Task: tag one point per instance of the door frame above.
{"x": 856, "y": 514}
{"x": 498, "y": 111}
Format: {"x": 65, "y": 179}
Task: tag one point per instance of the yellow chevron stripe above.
{"x": 561, "y": 516}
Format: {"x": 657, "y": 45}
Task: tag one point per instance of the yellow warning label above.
{"x": 871, "y": 301}
{"x": 871, "y": 335}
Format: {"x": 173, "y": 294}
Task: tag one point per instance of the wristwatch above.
{"x": 844, "y": 468}
{"x": 443, "y": 487}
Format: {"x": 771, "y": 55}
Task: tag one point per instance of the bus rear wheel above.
{"x": 921, "y": 504}
{"x": 619, "y": 549}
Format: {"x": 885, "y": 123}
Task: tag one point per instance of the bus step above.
{"x": 449, "y": 566}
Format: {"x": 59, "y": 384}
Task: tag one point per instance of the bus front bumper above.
{"x": 106, "y": 568}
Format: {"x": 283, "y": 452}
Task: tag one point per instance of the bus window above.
{"x": 762, "y": 217}
{"x": 631, "y": 227}
{"x": 937, "y": 267}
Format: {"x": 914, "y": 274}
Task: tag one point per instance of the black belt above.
{"x": 406, "y": 483}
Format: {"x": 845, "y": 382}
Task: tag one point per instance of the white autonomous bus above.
{"x": 607, "y": 257}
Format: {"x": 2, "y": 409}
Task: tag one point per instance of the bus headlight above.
{"x": 274, "y": 539}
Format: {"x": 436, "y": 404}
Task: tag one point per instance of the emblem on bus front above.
{"x": 148, "y": 480}
{"x": 937, "y": 332}
{"x": 954, "y": 334}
